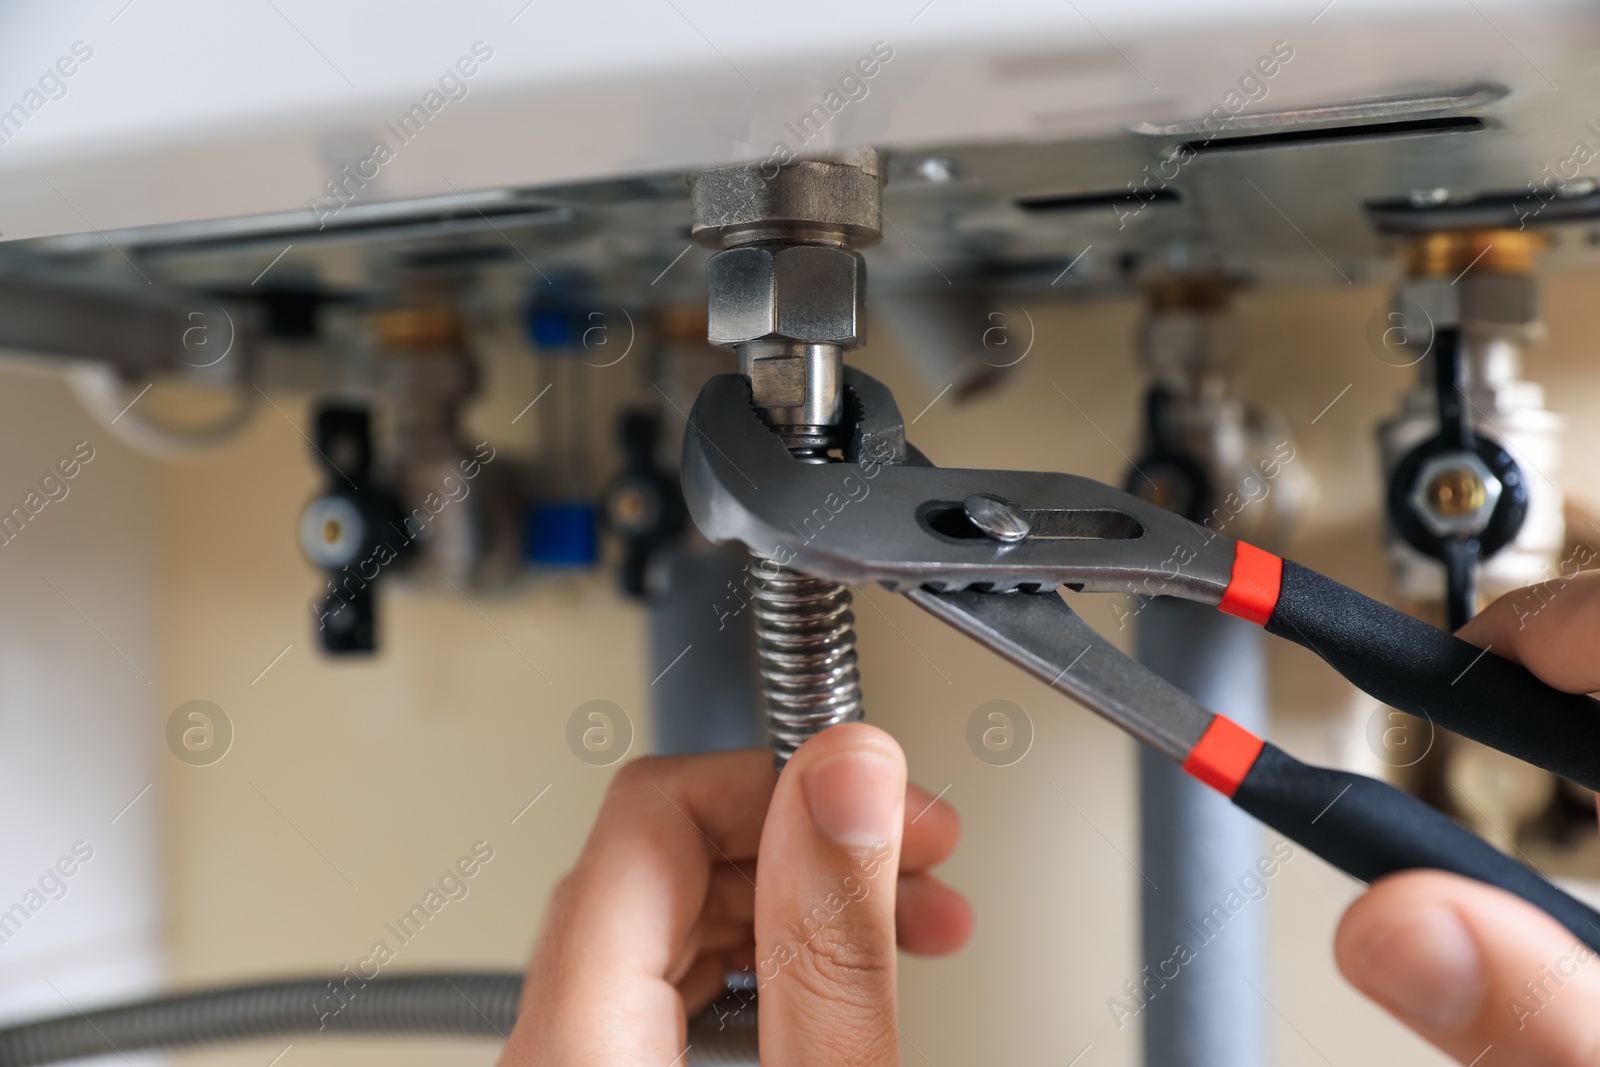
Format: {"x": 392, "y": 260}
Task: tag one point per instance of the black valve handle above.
{"x": 1461, "y": 554}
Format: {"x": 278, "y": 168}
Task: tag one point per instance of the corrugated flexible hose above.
{"x": 479, "y": 1004}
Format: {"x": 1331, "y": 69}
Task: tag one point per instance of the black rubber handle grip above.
{"x": 1369, "y": 829}
{"x": 1418, "y": 668}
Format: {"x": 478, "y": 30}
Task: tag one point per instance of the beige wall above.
{"x": 80, "y": 749}
{"x": 351, "y": 787}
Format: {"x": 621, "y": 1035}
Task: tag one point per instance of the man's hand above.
{"x": 702, "y": 865}
{"x": 1482, "y": 974}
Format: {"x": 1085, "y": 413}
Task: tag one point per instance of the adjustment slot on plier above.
{"x": 948, "y": 519}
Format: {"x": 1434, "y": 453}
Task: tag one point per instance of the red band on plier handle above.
{"x": 1255, "y": 584}
{"x": 1224, "y": 755}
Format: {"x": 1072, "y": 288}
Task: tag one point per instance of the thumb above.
{"x": 1482, "y": 974}
{"x": 825, "y": 902}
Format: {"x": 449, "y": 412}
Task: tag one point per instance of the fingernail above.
{"x": 854, "y": 798}
{"x": 1428, "y": 971}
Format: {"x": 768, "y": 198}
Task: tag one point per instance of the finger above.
{"x": 931, "y": 919}
{"x": 703, "y": 982}
{"x": 731, "y": 893}
{"x": 708, "y": 978}
{"x": 1475, "y": 970}
{"x": 1549, "y": 628}
{"x": 931, "y": 831}
{"x": 709, "y": 937}
{"x": 597, "y": 988}
{"x": 825, "y": 906}
{"x": 641, "y": 880}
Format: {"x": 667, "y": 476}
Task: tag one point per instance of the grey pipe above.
{"x": 1196, "y": 848}
{"x": 704, "y": 696}
{"x": 479, "y": 1004}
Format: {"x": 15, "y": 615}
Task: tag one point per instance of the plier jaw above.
{"x": 885, "y": 515}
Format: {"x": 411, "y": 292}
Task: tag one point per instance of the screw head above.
{"x": 332, "y": 531}
{"x": 631, "y": 508}
{"x": 936, "y": 170}
{"x": 1578, "y": 187}
{"x": 998, "y": 519}
{"x": 1428, "y": 197}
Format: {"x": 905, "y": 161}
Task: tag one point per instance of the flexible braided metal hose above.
{"x": 468, "y": 1003}
{"x": 463, "y": 1004}
{"x": 806, "y": 644}
{"x": 805, "y": 636}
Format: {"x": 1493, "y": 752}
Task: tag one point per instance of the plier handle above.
{"x": 884, "y": 514}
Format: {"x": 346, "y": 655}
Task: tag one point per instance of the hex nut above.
{"x": 1504, "y": 300}
{"x": 812, "y": 294}
{"x": 1472, "y": 522}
